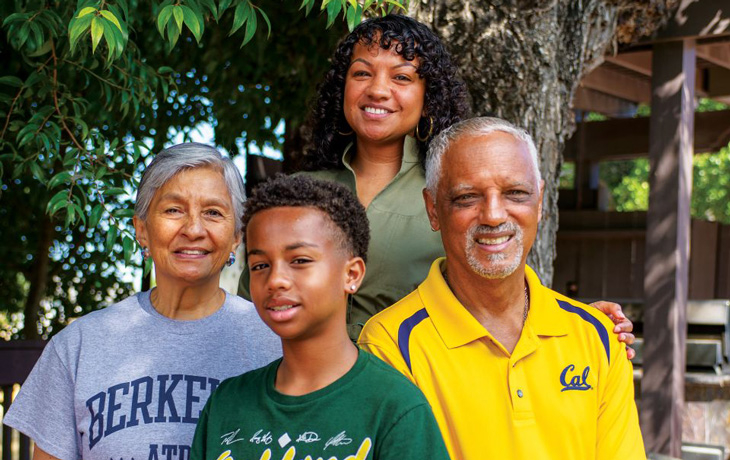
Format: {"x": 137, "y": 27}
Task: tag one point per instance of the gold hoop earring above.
{"x": 430, "y": 130}
{"x": 345, "y": 134}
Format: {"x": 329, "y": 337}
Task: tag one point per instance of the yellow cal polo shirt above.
{"x": 566, "y": 391}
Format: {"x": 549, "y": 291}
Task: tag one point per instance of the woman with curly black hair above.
{"x": 391, "y": 88}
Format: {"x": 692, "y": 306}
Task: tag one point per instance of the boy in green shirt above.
{"x": 306, "y": 243}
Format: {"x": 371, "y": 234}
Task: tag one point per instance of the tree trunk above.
{"x": 38, "y": 279}
{"x": 522, "y": 61}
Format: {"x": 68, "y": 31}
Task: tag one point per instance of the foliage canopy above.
{"x": 90, "y": 88}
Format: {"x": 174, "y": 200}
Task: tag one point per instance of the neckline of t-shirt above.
{"x": 181, "y": 327}
{"x": 338, "y": 384}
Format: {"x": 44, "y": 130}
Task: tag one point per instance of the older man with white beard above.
{"x": 511, "y": 369}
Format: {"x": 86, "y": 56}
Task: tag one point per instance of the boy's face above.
{"x": 300, "y": 276}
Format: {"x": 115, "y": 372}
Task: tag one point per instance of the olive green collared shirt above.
{"x": 402, "y": 245}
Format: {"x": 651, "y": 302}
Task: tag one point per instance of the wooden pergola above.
{"x": 689, "y": 58}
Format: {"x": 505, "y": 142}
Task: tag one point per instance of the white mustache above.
{"x": 489, "y": 230}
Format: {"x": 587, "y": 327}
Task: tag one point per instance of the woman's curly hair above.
{"x": 445, "y": 100}
{"x": 333, "y": 199}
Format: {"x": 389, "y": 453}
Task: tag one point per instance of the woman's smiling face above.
{"x": 190, "y": 227}
{"x": 384, "y": 95}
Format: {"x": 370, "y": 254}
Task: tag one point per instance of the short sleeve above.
{"x": 414, "y": 436}
{"x": 44, "y": 407}
{"x": 619, "y": 435}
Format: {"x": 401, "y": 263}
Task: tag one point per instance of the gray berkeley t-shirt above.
{"x": 126, "y": 383}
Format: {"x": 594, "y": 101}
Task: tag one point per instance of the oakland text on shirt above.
{"x": 165, "y": 398}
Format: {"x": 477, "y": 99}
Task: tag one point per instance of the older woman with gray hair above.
{"x": 129, "y": 381}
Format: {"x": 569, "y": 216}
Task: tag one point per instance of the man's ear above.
{"x": 140, "y": 230}
{"x": 539, "y": 206}
{"x": 430, "y": 202}
{"x": 354, "y": 274}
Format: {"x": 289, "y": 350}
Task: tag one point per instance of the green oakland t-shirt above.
{"x": 372, "y": 412}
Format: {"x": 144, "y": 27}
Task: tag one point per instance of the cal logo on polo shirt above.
{"x": 571, "y": 380}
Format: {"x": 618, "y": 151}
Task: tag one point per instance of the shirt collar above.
{"x": 546, "y": 318}
{"x": 452, "y": 320}
{"x": 410, "y": 155}
{"x": 457, "y": 326}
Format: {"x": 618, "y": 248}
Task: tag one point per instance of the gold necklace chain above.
{"x": 527, "y": 299}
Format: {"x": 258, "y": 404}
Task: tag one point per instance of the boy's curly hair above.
{"x": 333, "y": 199}
{"x": 445, "y": 100}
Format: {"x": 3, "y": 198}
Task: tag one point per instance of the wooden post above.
{"x": 667, "y": 245}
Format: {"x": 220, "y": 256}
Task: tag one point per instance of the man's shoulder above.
{"x": 586, "y": 323}
{"x": 391, "y": 318}
{"x": 581, "y": 313}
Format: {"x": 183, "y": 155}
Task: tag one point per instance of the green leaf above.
{"x": 70, "y": 216}
{"x": 115, "y": 191}
{"x": 179, "y": 16}
{"x": 95, "y": 215}
{"x": 57, "y": 201}
{"x": 173, "y": 33}
{"x": 192, "y": 22}
{"x": 333, "y": 10}
{"x": 211, "y": 7}
{"x": 85, "y": 11}
{"x": 97, "y": 31}
{"x": 76, "y": 28}
{"x": 101, "y": 172}
{"x": 128, "y": 247}
{"x": 250, "y": 28}
{"x": 147, "y": 266}
{"x": 163, "y": 18}
{"x": 11, "y": 81}
{"x": 113, "y": 19}
{"x": 165, "y": 70}
{"x": 37, "y": 171}
{"x": 115, "y": 11}
{"x": 223, "y": 6}
{"x": 266, "y": 19}
{"x": 123, "y": 213}
{"x": 59, "y": 179}
{"x": 241, "y": 15}
{"x": 350, "y": 15}
{"x": 111, "y": 238}
{"x": 20, "y": 17}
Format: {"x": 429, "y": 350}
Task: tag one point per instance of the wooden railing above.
{"x": 16, "y": 361}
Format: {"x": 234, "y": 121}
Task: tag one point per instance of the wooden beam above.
{"x": 618, "y": 82}
{"x": 628, "y": 138}
{"x": 696, "y": 19}
{"x": 639, "y": 62}
{"x": 594, "y": 101}
{"x": 715, "y": 53}
{"x": 667, "y": 246}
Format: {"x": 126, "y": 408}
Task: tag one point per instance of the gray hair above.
{"x": 478, "y": 126}
{"x": 172, "y": 161}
